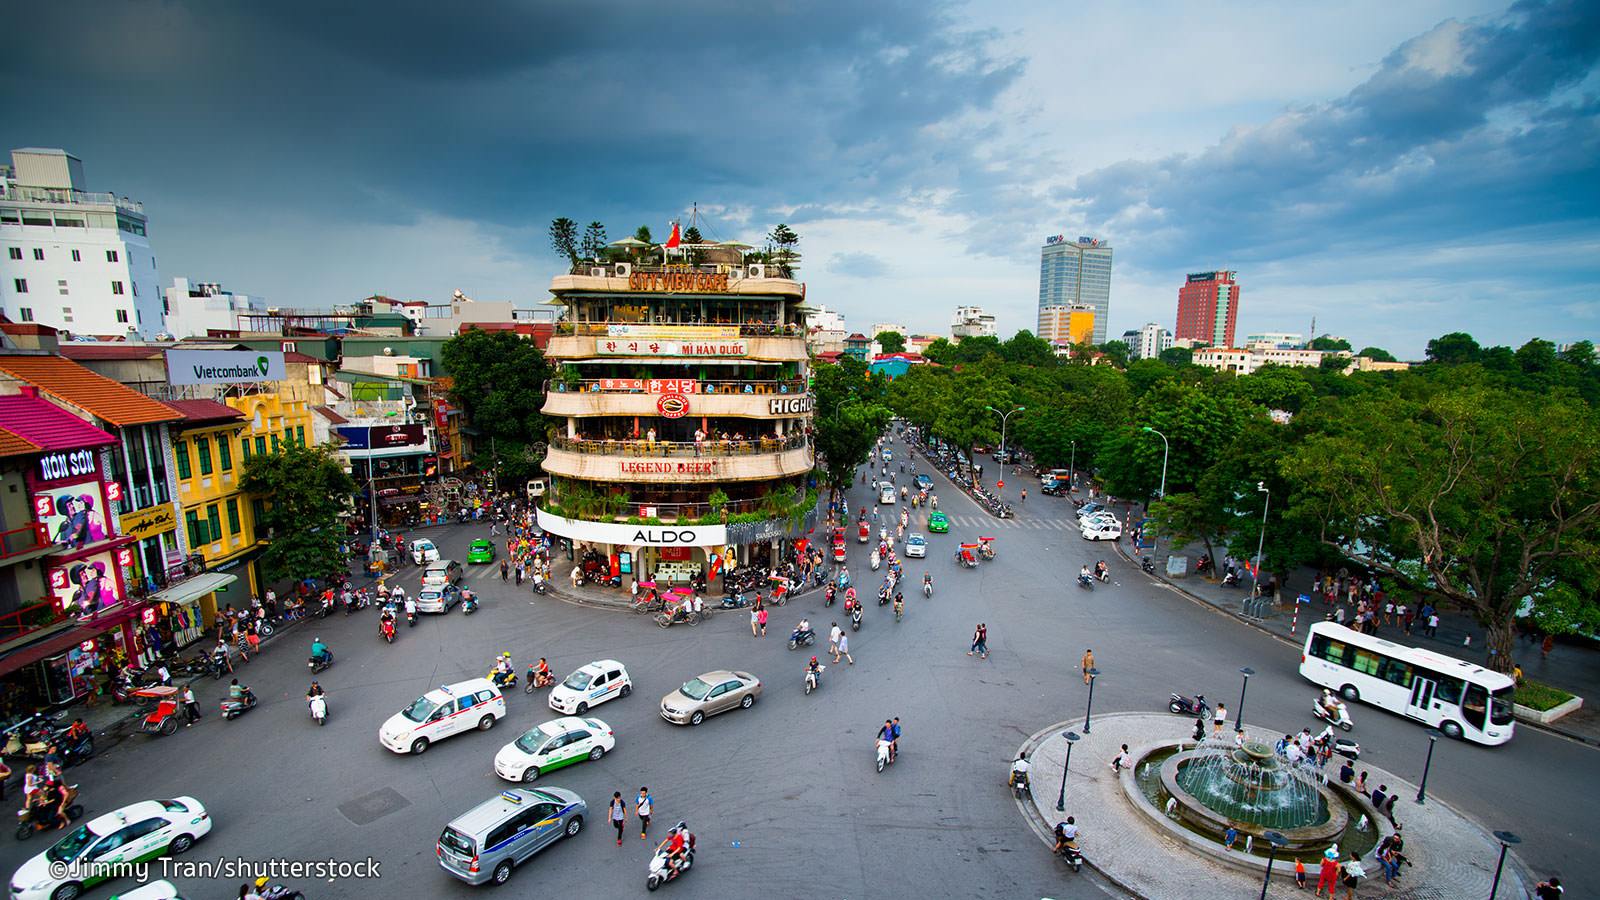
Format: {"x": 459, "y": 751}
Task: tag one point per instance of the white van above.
{"x": 442, "y": 712}
{"x": 1102, "y": 531}
{"x": 886, "y": 494}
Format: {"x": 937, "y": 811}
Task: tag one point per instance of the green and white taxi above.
{"x": 109, "y": 846}
{"x": 553, "y": 744}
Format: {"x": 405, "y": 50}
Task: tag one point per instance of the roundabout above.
{"x": 1155, "y": 828}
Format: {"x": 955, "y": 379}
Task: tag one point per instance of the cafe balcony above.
{"x": 708, "y": 461}
{"x": 751, "y": 399}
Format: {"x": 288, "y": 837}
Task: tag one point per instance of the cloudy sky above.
{"x": 1397, "y": 170}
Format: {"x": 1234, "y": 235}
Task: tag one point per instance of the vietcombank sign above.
{"x": 224, "y": 366}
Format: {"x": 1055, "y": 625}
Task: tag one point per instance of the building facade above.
{"x": 197, "y": 310}
{"x": 1147, "y": 342}
{"x": 1077, "y": 272}
{"x": 684, "y": 437}
{"x": 1208, "y": 308}
{"x": 1060, "y": 325}
{"x": 73, "y": 260}
{"x": 971, "y": 321}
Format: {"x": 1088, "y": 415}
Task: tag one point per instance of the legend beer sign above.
{"x": 666, "y": 467}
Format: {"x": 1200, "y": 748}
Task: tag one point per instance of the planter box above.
{"x": 1545, "y": 717}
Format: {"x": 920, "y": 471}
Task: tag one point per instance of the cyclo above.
{"x": 986, "y": 547}
{"x": 966, "y": 556}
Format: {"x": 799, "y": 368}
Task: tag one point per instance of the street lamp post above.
{"x": 1003, "y": 455}
{"x": 1238, "y": 719}
{"x": 1166, "y": 453}
{"x": 1277, "y": 840}
{"x": 1072, "y": 469}
{"x": 1091, "y": 672}
{"x": 1422, "y": 789}
{"x": 1061, "y": 799}
{"x": 1261, "y": 540}
{"x": 1506, "y": 839}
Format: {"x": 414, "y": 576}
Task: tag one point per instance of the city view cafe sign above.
{"x": 634, "y": 535}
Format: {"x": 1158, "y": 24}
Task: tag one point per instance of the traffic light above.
{"x": 430, "y": 466}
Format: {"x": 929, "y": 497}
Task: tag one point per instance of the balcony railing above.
{"x": 23, "y": 540}
{"x": 676, "y": 512}
{"x": 29, "y": 619}
{"x": 748, "y": 329}
{"x": 643, "y": 386}
{"x": 68, "y": 196}
{"x": 679, "y": 449}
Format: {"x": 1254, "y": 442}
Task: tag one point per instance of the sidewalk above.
{"x": 1572, "y": 666}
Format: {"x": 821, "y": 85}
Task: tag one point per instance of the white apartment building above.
{"x": 881, "y": 327}
{"x": 77, "y": 261}
{"x": 971, "y": 321}
{"x": 1147, "y": 342}
{"x": 1275, "y": 340}
{"x": 1244, "y": 362}
{"x": 194, "y": 310}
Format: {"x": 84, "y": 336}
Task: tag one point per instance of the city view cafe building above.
{"x": 68, "y": 591}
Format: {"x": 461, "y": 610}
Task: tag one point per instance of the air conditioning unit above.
{"x": 737, "y": 274}
{"x": 597, "y": 271}
{"x": 757, "y": 270}
{"x": 622, "y": 270}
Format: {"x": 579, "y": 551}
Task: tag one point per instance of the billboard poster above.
{"x": 381, "y": 437}
{"x": 72, "y": 514}
{"x": 355, "y": 436}
{"x": 224, "y": 366}
{"x": 86, "y": 587}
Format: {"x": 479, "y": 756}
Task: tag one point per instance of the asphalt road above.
{"x": 791, "y": 780}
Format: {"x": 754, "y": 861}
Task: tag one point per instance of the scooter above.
{"x": 802, "y": 638}
{"x": 27, "y": 827}
{"x": 536, "y": 681}
{"x": 733, "y": 601}
{"x": 883, "y": 595}
{"x": 318, "y": 664}
{"x": 1183, "y": 706}
{"x": 814, "y": 679}
{"x": 411, "y": 618}
{"x": 883, "y": 754}
{"x": 1148, "y": 566}
{"x": 827, "y": 599}
{"x": 855, "y": 619}
{"x": 927, "y": 589}
{"x": 469, "y": 603}
{"x": 234, "y": 707}
{"x": 541, "y": 586}
{"x": 1339, "y": 720}
{"x": 662, "y": 871}
{"x": 1071, "y": 855}
{"x": 876, "y": 560}
{"x": 319, "y": 708}
{"x": 386, "y": 629}
{"x": 503, "y": 679}
{"x": 1019, "y": 784}
{"x": 1086, "y": 582}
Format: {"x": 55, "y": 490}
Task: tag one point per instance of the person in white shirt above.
{"x": 1020, "y": 766}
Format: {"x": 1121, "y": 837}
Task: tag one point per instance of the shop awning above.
{"x": 192, "y": 589}
{"x": 46, "y": 648}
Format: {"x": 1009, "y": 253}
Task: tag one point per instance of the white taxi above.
{"x": 592, "y": 685}
{"x": 553, "y": 744}
{"x": 441, "y": 712}
{"x": 92, "y": 853}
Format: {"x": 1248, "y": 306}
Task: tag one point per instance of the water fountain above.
{"x": 1217, "y": 786}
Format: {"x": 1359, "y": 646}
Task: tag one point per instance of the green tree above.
{"x": 594, "y": 242}
{"x": 1377, "y": 354}
{"x": 1027, "y": 350}
{"x": 564, "y": 238}
{"x": 1117, "y": 351}
{"x": 784, "y": 243}
{"x": 304, "y": 489}
{"x": 940, "y": 351}
{"x": 642, "y": 233}
{"x": 1329, "y": 344}
{"x": 1189, "y": 517}
{"x": 498, "y": 380}
{"x": 849, "y": 417}
{"x": 1177, "y": 357}
{"x": 1454, "y": 349}
{"x": 892, "y": 341}
{"x": 1480, "y": 494}
{"x": 691, "y": 235}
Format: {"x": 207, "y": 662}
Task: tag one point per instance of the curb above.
{"x": 1041, "y": 827}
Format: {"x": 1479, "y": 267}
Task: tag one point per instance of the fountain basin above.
{"x": 1248, "y": 789}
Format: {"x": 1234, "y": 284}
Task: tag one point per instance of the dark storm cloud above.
{"x": 1465, "y": 128}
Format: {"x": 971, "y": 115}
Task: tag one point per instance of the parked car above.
{"x": 552, "y": 745}
{"x": 708, "y": 694}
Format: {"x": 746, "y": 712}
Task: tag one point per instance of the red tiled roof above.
{"x": 106, "y": 399}
{"x": 295, "y": 356}
{"x": 200, "y": 412}
{"x": 13, "y": 444}
{"x": 110, "y": 351}
{"x": 47, "y": 426}
{"x": 327, "y": 413}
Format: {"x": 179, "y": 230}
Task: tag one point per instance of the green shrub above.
{"x": 1538, "y": 696}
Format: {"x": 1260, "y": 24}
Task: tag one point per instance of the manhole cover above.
{"x": 369, "y": 808}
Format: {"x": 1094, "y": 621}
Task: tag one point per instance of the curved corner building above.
{"x": 648, "y": 358}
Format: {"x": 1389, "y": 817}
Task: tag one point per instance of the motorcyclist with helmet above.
{"x": 319, "y": 651}
{"x": 813, "y": 673}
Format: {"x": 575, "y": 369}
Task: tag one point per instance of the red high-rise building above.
{"x": 1208, "y": 308}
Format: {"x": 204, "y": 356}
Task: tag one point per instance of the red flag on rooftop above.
{"x": 675, "y": 239}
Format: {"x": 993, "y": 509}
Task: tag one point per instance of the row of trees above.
{"x": 782, "y": 245}
{"x": 1474, "y": 477}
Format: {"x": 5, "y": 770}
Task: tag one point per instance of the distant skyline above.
{"x": 1398, "y": 171}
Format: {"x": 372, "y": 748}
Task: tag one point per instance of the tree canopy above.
{"x": 304, "y": 490}
{"x": 891, "y": 341}
{"x": 497, "y": 379}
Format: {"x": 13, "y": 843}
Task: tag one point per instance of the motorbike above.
{"x": 876, "y": 560}
{"x": 855, "y": 619}
{"x": 74, "y": 751}
{"x": 1148, "y": 566}
{"x": 411, "y": 617}
{"x": 883, "y": 755}
{"x": 542, "y": 587}
{"x": 1183, "y": 706}
{"x": 827, "y": 597}
{"x": 1086, "y": 582}
{"x": 386, "y": 630}
{"x": 883, "y": 595}
{"x": 1071, "y": 855}
{"x": 1019, "y": 784}
{"x": 802, "y": 638}
{"x": 1204, "y": 566}
{"x": 469, "y": 603}
{"x": 814, "y": 679}
{"x": 503, "y": 679}
{"x": 661, "y": 871}
{"x": 1231, "y": 579}
{"x": 27, "y": 826}
{"x": 234, "y": 707}
{"x": 536, "y": 681}
{"x": 318, "y": 664}
{"x": 927, "y": 589}
{"x": 276, "y": 891}
{"x": 733, "y": 601}
{"x": 1340, "y": 718}
{"x": 319, "y": 708}
{"x": 32, "y": 737}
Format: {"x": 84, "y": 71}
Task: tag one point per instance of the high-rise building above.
{"x": 971, "y": 321}
{"x": 1077, "y": 273}
{"x": 1208, "y": 308}
{"x": 1066, "y": 324}
{"x": 73, "y": 260}
{"x": 1147, "y": 342}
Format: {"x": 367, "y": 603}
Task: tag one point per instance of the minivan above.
{"x": 452, "y": 709}
{"x": 441, "y": 571}
{"x": 486, "y": 842}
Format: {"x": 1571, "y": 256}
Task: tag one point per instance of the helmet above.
{"x": 813, "y": 659}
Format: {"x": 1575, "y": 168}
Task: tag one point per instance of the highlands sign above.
{"x": 224, "y": 366}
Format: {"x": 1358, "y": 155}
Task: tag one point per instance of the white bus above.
{"x": 1458, "y": 698}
